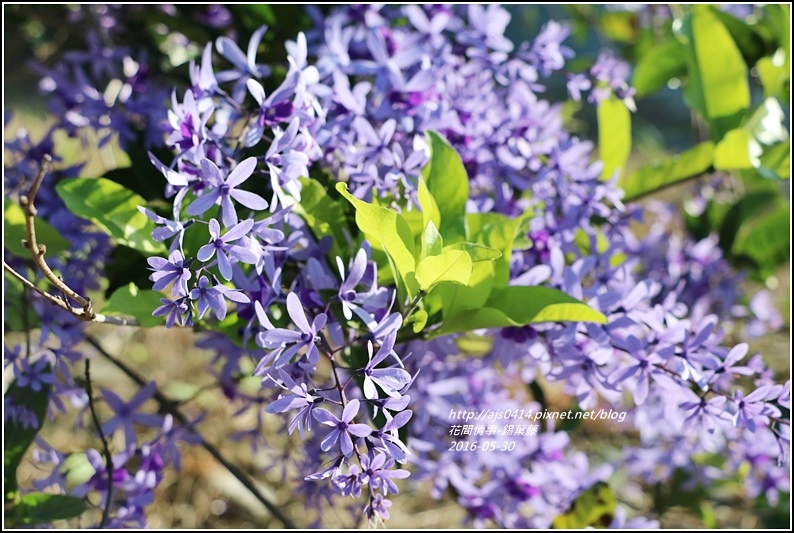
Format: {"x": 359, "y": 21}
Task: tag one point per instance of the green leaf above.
{"x": 522, "y": 305}
{"x": 776, "y": 161}
{"x": 744, "y": 210}
{"x": 751, "y": 44}
{"x": 419, "y": 320}
{"x": 766, "y": 239}
{"x": 113, "y": 208}
{"x": 16, "y": 306}
{"x": 450, "y": 265}
{"x": 477, "y": 252}
{"x": 132, "y": 301}
{"x": 774, "y": 77}
{"x": 614, "y": 136}
{"x": 429, "y": 206}
{"x": 125, "y": 265}
{"x": 594, "y": 507}
{"x": 446, "y": 179}
{"x": 657, "y": 66}
{"x": 718, "y": 84}
{"x": 14, "y": 231}
{"x": 497, "y": 233}
{"x": 661, "y": 174}
{"x": 737, "y": 150}
{"x": 432, "y": 242}
{"x": 41, "y": 508}
{"x": 17, "y": 438}
{"x": 385, "y": 228}
{"x": 324, "y": 215}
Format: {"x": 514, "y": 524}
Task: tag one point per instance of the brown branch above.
{"x": 76, "y": 311}
{"x": 108, "y": 457}
{"x": 86, "y": 310}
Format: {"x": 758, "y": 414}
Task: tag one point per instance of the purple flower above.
{"x": 125, "y": 414}
{"x": 377, "y": 473}
{"x": 753, "y": 409}
{"x": 222, "y": 190}
{"x": 390, "y": 380}
{"x": 213, "y": 297}
{"x": 174, "y": 269}
{"x": 245, "y": 64}
{"x": 644, "y": 367}
{"x": 168, "y": 228}
{"x": 34, "y": 376}
{"x": 227, "y": 251}
{"x": 178, "y": 311}
{"x": 389, "y": 435}
{"x": 348, "y": 484}
{"x": 342, "y": 428}
{"x": 577, "y": 83}
{"x": 279, "y": 338}
{"x": 707, "y": 411}
{"x": 300, "y": 399}
{"x": 547, "y": 53}
{"x": 273, "y": 109}
{"x": 378, "y": 506}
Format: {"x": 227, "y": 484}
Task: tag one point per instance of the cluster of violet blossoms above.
{"x": 106, "y": 91}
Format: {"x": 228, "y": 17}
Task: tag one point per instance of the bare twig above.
{"x": 86, "y": 310}
{"x": 37, "y": 251}
{"x": 106, "y": 449}
{"x": 170, "y": 406}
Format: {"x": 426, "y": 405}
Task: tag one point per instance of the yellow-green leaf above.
{"x": 450, "y": 265}
{"x": 387, "y": 229}
{"x": 14, "y": 231}
{"x": 614, "y": 136}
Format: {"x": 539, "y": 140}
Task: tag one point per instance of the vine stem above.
{"x": 105, "y": 448}
{"x": 169, "y": 406}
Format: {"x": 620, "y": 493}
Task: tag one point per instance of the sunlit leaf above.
{"x": 614, "y": 136}
{"x": 451, "y": 265}
{"x": 135, "y": 302}
{"x": 386, "y": 228}
{"x": 446, "y": 179}
{"x": 113, "y": 208}
{"x": 668, "y": 171}
{"x": 14, "y": 231}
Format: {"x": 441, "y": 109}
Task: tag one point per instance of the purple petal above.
{"x": 243, "y": 255}
{"x": 347, "y": 443}
{"x": 206, "y": 252}
{"x": 249, "y": 199}
{"x": 351, "y": 410}
{"x": 238, "y": 231}
{"x": 228, "y": 212}
{"x": 256, "y": 90}
{"x": 203, "y": 203}
{"x": 285, "y": 403}
{"x": 359, "y": 430}
{"x": 280, "y": 336}
{"x": 295, "y": 310}
{"x": 210, "y": 171}
{"x": 330, "y": 439}
{"x": 241, "y": 172}
{"x": 224, "y": 266}
{"x": 229, "y": 49}
{"x": 324, "y": 416}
